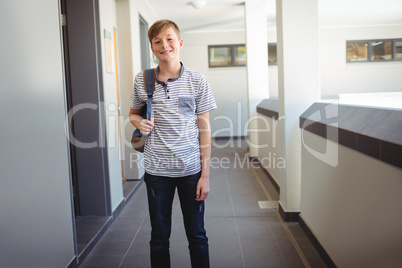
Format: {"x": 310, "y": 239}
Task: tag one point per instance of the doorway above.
{"x": 86, "y": 120}
{"x": 145, "y": 62}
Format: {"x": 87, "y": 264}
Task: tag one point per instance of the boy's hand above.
{"x": 202, "y": 189}
{"x": 146, "y": 126}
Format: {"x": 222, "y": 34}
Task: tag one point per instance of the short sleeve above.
{"x": 205, "y": 101}
{"x": 136, "y": 101}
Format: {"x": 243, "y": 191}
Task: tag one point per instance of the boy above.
{"x": 178, "y": 147}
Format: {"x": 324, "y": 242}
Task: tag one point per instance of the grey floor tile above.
{"x": 289, "y": 253}
{"x": 244, "y": 198}
{"x": 179, "y": 247}
{"x": 306, "y": 246}
{"x": 259, "y": 247}
{"x": 264, "y": 261}
{"x": 112, "y": 235}
{"x": 222, "y": 248}
{"x": 111, "y": 248}
{"x": 254, "y": 228}
{"x": 178, "y": 233}
{"x": 218, "y": 201}
{"x": 144, "y": 233}
{"x": 250, "y": 212}
{"x": 217, "y": 196}
{"x": 240, "y": 233}
{"x": 87, "y": 227}
{"x": 181, "y": 260}
{"x": 102, "y": 261}
{"x": 139, "y": 248}
{"x": 278, "y": 231}
{"x": 137, "y": 255}
{"x": 126, "y": 223}
{"x": 218, "y": 232}
{"x": 128, "y": 187}
{"x": 212, "y": 213}
{"x": 232, "y": 261}
{"x": 136, "y": 262}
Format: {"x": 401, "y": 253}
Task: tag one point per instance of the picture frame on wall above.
{"x": 109, "y": 50}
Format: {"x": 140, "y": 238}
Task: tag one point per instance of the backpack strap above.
{"x": 149, "y": 85}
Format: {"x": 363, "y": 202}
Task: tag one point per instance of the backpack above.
{"x": 137, "y": 139}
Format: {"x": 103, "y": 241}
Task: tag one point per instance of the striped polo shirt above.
{"x": 172, "y": 148}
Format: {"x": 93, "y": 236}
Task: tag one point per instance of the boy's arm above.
{"x": 205, "y": 149}
{"x": 135, "y": 117}
{"x": 145, "y": 126}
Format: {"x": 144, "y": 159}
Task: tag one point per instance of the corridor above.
{"x": 242, "y": 231}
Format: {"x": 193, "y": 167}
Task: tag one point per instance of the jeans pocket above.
{"x": 186, "y": 105}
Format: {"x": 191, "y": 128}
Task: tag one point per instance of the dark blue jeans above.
{"x": 161, "y": 192}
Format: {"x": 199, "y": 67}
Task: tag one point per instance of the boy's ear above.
{"x": 181, "y": 43}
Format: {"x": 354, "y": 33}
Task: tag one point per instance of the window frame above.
{"x": 370, "y": 49}
{"x": 232, "y": 55}
{"x": 276, "y": 46}
{"x": 233, "y": 52}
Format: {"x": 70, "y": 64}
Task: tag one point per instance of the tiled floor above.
{"x": 241, "y": 234}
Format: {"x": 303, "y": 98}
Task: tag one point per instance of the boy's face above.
{"x": 166, "y": 45}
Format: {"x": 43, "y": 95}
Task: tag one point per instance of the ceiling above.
{"x": 228, "y": 15}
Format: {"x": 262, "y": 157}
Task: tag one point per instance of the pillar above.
{"x": 298, "y": 87}
{"x": 257, "y": 63}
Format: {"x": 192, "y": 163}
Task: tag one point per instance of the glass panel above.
{"x": 357, "y": 51}
{"x": 272, "y": 58}
{"x": 220, "y": 56}
{"x": 381, "y": 50}
{"x": 398, "y": 50}
{"x": 240, "y": 56}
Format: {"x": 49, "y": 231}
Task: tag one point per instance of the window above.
{"x": 240, "y": 55}
{"x": 235, "y": 55}
{"x": 381, "y": 50}
{"x": 357, "y": 51}
{"x": 373, "y": 50}
{"x": 272, "y": 57}
{"x": 398, "y": 50}
{"x": 227, "y": 55}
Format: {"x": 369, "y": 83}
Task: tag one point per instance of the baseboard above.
{"x": 73, "y": 263}
{"x": 78, "y": 260}
{"x": 134, "y": 190}
{"x": 288, "y": 216}
{"x": 296, "y": 217}
{"x": 123, "y": 203}
{"x": 316, "y": 244}
{"x": 90, "y": 246}
{"x": 271, "y": 179}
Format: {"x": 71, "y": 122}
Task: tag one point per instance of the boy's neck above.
{"x": 169, "y": 70}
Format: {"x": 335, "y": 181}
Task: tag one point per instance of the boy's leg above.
{"x": 193, "y": 216}
{"x": 160, "y": 192}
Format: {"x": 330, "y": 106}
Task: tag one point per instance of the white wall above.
{"x": 124, "y": 16}
{"x": 36, "y": 224}
{"x": 338, "y": 77}
{"x": 107, "y": 15}
{"x": 353, "y": 209}
{"x": 128, "y": 12}
{"x": 229, "y": 85}
{"x": 269, "y": 141}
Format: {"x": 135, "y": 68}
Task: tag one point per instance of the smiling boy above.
{"x": 178, "y": 147}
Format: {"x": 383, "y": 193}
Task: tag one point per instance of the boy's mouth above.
{"x": 166, "y": 52}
